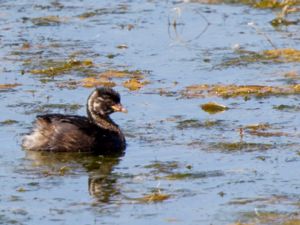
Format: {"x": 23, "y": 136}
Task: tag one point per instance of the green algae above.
{"x": 91, "y": 82}
{"x": 111, "y": 56}
{"x": 134, "y": 84}
{"x": 287, "y": 108}
{"x": 86, "y": 15}
{"x": 259, "y": 4}
{"x": 213, "y": 107}
{"x": 8, "y": 122}
{"x": 163, "y": 166}
{"x": 270, "y": 217}
{"x": 48, "y": 20}
{"x": 280, "y": 21}
{"x": 54, "y": 68}
{"x": 258, "y": 126}
{"x": 241, "y": 146}
{"x": 155, "y": 197}
{"x": 194, "y": 124}
{"x": 193, "y": 175}
{"x": 190, "y": 123}
{"x": 263, "y": 130}
{"x": 134, "y": 80}
{"x": 255, "y": 200}
{"x": 279, "y": 55}
{"x": 232, "y": 90}
{"x": 21, "y": 189}
{"x": 121, "y": 9}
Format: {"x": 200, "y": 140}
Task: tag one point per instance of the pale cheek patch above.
{"x": 90, "y": 104}
{"x": 96, "y": 105}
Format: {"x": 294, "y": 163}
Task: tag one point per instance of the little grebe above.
{"x": 96, "y": 133}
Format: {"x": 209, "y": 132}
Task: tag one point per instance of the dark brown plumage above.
{"x": 96, "y": 133}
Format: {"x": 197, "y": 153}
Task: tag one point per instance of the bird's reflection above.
{"x": 101, "y": 181}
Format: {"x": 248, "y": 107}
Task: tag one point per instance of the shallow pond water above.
{"x": 182, "y": 165}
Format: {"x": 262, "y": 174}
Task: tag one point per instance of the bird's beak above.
{"x": 119, "y": 108}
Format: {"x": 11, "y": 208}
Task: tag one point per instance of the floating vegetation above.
{"x": 269, "y": 200}
{"x": 213, "y": 107}
{"x": 232, "y": 90}
{"x": 25, "y": 46}
{"x": 283, "y": 55}
{"x": 63, "y": 170}
{"x": 55, "y": 68}
{"x": 107, "y": 79}
{"x": 240, "y": 146}
{"x": 127, "y": 26}
{"x": 9, "y": 86}
{"x": 261, "y": 131}
{"x": 136, "y": 74}
{"x": 287, "y": 108}
{"x": 292, "y": 222}
{"x": 179, "y": 176}
{"x": 282, "y": 19}
{"x": 135, "y": 81}
{"x": 292, "y": 76}
{"x": 88, "y": 14}
{"x": 91, "y": 82}
{"x": 193, "y": 123}
{"x": 164, "y": 92}
{"x": 111, "y": 56}
{"x": 170, "y": 171}
{"x": 134, "y": 84}
{"x": 8, "y": 122}
{"x": 21, "y": 189}
{"x": 57, "y": 172}
{"x": 121, "y": 9}
{"x": 163, "y": 167}
{"x": 154, "y": 197}
{"x": 279, "y": 21}
{"x": 268, "y": 134}
{"x": 261, "y": 4}
{"x": 259, "y": 126}
{"x": 240, "y": 223}
{"x": 48, "y": 20}
{"x": 122, "y": 46}
{"x": 274, "y": 218}
{"x": 245, "y": 201}
{"x": 195, "y": 175}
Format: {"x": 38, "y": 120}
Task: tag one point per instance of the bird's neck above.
{"x": 104, "y": 121}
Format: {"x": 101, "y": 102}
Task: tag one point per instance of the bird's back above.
{"x": 56, "y": 132}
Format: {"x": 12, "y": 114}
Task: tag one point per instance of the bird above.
{"x": 96, "y": 133}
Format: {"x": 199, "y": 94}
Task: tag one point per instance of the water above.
{"x": 211, "y": 174}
